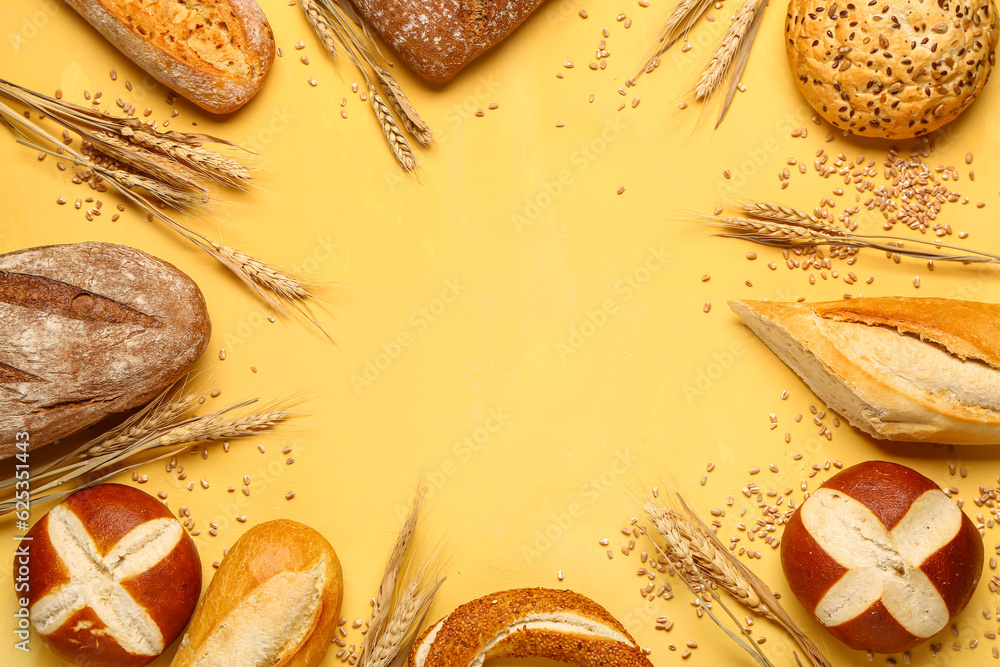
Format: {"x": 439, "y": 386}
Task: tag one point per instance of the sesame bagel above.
{"x": 892, "y": 69}
{"x": 525, "y": 623}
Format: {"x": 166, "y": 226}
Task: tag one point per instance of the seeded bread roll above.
{"x": 217, "y": 54}
{"x": 892, "y": 70}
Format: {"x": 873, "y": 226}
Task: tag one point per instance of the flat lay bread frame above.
{"x": 534, "y": 319}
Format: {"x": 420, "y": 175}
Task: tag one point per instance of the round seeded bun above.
{"x": 894, "y": 70}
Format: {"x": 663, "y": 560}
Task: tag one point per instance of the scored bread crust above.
{"x": 437, "y": 38}
{"x": 217, "y": 54}
{"x": 168, "y": 589}
{"x": 67, "y": 368}
{"x": 895, "y": 69}
{"x": 272, "y": 549}
{"x": 885, "y": 405}
{"x": 888, "y": 490}
{"x": 497, "y": 626}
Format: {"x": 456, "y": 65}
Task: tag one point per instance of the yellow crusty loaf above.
{"x": 894, "y": 69}
{"x": 216, "y": 53}
{"x": 530, "y": 622}
{"x": 898, "y": 368}
{"x": 274, "y": 602}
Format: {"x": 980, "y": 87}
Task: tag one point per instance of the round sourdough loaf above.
{"x": 113, "y": 578}
{"x": 881, "y": 557}
{"x": 88, "y": 330}
{"x": 890, "y": 69}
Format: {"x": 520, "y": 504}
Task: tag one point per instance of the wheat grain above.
{"x": 400, "y": 103}
{"x": 398, "y": 144}
{"x": 718, "y": 66}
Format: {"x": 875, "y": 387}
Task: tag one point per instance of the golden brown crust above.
{"x": 265, "y": 551}
{"x": 892, "y": 70}
{"x": 168, "y": 589}
{"x": 967, "y": 329}
{"x": 217, "y": 54}
{"x": 874, "y": 397}
{"x": 480, "y": 628}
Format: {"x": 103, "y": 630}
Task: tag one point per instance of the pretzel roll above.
{"x": 881, "y": 557}
{"x": 113, "y": 577}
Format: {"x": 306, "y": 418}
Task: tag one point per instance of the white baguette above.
{"x": 216, "y": 54}
{"x": 275, "y": 600}
{"x": 898, "y": 368}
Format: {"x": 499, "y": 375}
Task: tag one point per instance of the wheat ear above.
{"x": 398, "y": 144}
{"x": 718, "y": 66}
{"x": 161, "y": 416}
{"x": 400, "y": 103}
{"x": 320, "y": 25}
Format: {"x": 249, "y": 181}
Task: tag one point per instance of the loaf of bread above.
{"x": 881, "y": 557}
{"x": 530, "y": 622}
{"x": 437, "y": 38}
{"x": 217, "y": 54}
{"x": 892, "y": 70}
{"x": 898, "y": 368}
{"x": 275, "y": 600}
{"x": 112, "y": 578}
{"x": 88, "y": 330}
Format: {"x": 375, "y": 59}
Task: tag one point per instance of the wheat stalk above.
{"x": 802, "y": 230}
{"x": 688, "y": 541}
{"x": 718, "y": 66}
{"x": 398, "y": 144}
{"x": 135, "y": 159}
{"x": 103, "y": 460}
{"x": 159, "y": 418}
{"x": 321, "y": 25}
{"x": 400, "y": 103}
{"x": 680, "y": 20}
{"x": 399, "y": 609}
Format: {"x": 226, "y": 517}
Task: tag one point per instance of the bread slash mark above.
{"x": 66, "y": 300}
{"x": 10, "y": 375}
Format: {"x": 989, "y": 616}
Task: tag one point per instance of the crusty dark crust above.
{"x": 88, "y": 330}
{"x": 437, "y": 38}
{"x": 888, "y": 490}
{"x": 467, "y": 630}
{"x": 169, "y": 590}
{"x": 893, "y": 70}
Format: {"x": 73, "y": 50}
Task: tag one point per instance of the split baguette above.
{"x": 898, "y": 368}
{"x": 273, "y": 602}
{"x": 217, "y": 54}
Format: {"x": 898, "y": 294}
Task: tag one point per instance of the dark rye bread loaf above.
{"x": 437, "y": 38}
{"x": 88, "y": 330}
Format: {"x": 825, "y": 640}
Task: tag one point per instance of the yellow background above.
{"x": 521, "y": 221}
